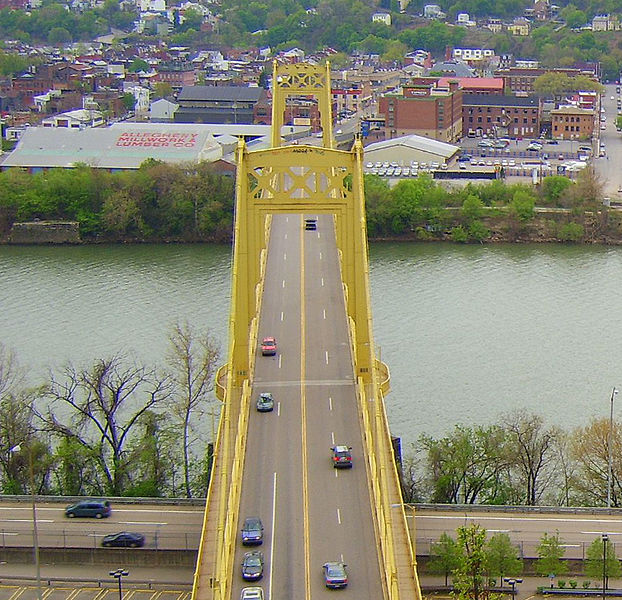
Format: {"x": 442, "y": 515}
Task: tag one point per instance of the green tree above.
{"x": 553, "y": 188}
{"x": 469, "y": 576}
{"x": 550, "y": 553}
{"x": 138, "y": 64}
{"x": 472, "y": 207}
{"x": 594, "y": 560}
{"x": 503, "y": 557}
{"x": 522, "y": 205}
{"x": 444, "y": 556}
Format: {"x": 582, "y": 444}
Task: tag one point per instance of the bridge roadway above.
{"x": 312, "y": 513}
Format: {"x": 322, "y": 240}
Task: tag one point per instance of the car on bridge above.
{"x": 252, "y": 566}
{"x": 265, "y": 402}
{"x": 268, "y": 346}
{"x": 310, "y": 224}
{"x": 125, "y": 539}
{"x": 342, "y": 457}
{"x": 335, "y": 575}
{"x": 252, "y": 531}
{"x": 252, "y": 593}
{"x": 89, "y": 508}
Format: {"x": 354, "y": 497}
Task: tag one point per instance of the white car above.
{"x": 252, "y": 593}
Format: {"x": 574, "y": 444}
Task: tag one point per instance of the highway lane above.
{"x": 164, "y": 526}
{"x": 339, "y": 505}
{"x": 312, "y": 513}
{"x": 577, "y": 531}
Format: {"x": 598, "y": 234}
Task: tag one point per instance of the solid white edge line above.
{"x": 272, "y": 536}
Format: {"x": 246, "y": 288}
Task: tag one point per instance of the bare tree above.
{"x": 192, "y": 358}
{"x": 11, "y": 373}
{"x": 590, "y": 450}
{"x": 532, "y": 451}
{"x": 99, "y": 408}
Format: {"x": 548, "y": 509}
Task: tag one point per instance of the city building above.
{"x": 500, "y": 116}
{"x": 427, "y": 110}
{"x": 222, "y": 104}
{"x": 519, "y": 80}
{"x": 572, "y": 123}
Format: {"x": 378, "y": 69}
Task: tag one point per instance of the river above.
{"x": 470, "y": 333}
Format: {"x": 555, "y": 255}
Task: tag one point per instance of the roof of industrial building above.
{"x": 122, "y": 146}
{"x": 496, "y": 100}
{"x": 416, "y": 142}
{"x": 474, "y": 83}
{"x": 223, "y": 93}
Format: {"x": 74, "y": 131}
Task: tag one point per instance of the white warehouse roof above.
{"x": 123, "y": 146}
{"x": 416, "y": 142}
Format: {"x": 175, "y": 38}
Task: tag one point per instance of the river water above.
{"x": 470, "y": 333}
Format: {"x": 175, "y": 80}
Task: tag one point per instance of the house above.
{"x": 162, "y": 110}
{"x": 75, "y": 119}
{"x": 464, "y": 19}
{"x": 433, "y": 11}
{"x": 519, "y": 27}
{"x": 472, "y": 55}
{"x": 382, "y": 17}
{"x": 605, "y": 23}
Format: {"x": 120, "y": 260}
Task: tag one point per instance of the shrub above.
{"x": 459, "y": 234}
{"x": 571, "y": 232}
{"x": 586, "y": 584}
{"x": 561, "y": 583}
{"x": 573, "y": 583}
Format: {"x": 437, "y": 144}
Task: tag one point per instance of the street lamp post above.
{"x": 513, "y": 581}
{"x": 118, "y": 575}
{"x": 35, "y": 533}
{"x": 614, "y": 392}
{"x": 605, "y": 540}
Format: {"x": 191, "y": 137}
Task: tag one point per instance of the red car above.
{"x": 268, "y": 346}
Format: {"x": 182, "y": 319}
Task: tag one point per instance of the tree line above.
{"x": 477, "y": 563}
{"x": 156, "y": 202}
{"x": 193, "y": 203}
{"x": 518, "y": 461}
{"x": 113, "y": 427}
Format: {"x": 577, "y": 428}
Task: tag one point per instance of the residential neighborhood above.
{"x": 138, "y": 78}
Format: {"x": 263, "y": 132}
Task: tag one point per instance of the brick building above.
{"x": 519, "y": 80}
{"x": 572, "y": 123}
{"x": 427, "y": 110}
{"x": 501, "y": 116}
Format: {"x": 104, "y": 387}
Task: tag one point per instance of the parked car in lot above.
{"x": 484, "y": 144}
{"x": 335, "y": 575}
{"x": 252, "y": 531}
{"x": 268, "y": 346}
{"x": 125, "y": 539}
{"x": 342, "y": 457}
{"x": 252, "y": 566}
{"x": 97, "y": 509}
{"x": 265, "y": 402}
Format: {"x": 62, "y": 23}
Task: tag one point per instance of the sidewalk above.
{"x": 99, "y": 573}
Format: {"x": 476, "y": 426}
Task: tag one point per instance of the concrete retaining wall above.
{"x": 45, "y": 232}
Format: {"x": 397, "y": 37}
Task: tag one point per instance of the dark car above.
{"x": 252, "y": 531}
{"x": 89, "y": 508}
{"x": 125, "y": 539}
{"x": 265, "y": 402}
{"x": 335, "y": 575}
{"x": 252, "y": 566}
{"x": 342, "y": 457}
{"x": 268, "y": 346}
{"x": 310, "y": 224}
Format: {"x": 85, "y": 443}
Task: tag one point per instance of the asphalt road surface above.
{"x": 164, "y": 526}
{"x": 311, "y": 512}
{"x": 577, "y": 531}
{"x": 609, "y": 167}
